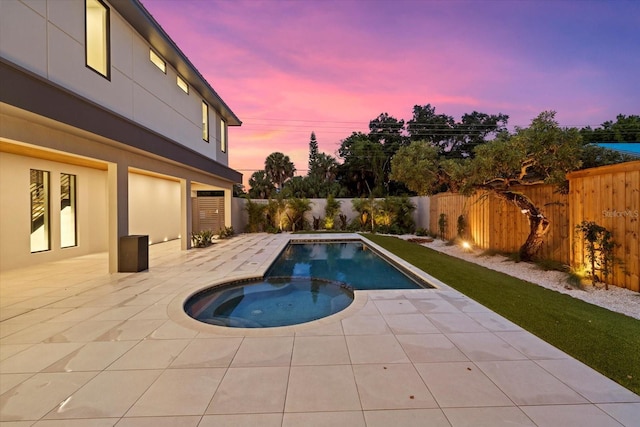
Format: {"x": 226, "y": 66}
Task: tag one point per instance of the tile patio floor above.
{"x": 80, "y": 347}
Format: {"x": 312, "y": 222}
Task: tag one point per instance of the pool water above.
{"x": 308, "y": 281}
{"x": 269, "y": 303}
{"x": 353, "y": 263}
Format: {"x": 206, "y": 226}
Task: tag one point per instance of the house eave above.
{"x": 141, "y": 20}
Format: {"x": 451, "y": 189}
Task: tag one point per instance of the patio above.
{"x": 81, "y": 347}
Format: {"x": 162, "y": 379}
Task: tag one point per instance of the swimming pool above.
{"x": 352, "y": 262}
{"x": 276, "y": 301}
{"x": 307, "y": 281}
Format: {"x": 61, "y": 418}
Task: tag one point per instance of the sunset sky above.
{"x": 287, "y": 68}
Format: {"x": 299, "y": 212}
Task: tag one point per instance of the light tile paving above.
{"x": 80, "y": 347}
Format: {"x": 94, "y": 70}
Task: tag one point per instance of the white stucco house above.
{"x": 106, "y": 130}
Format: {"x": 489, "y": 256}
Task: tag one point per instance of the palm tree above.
{"x": 261, "y": 186}
{"x": 279, "y": 168}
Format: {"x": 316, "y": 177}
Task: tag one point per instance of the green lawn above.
{"x": 607, "y": 341}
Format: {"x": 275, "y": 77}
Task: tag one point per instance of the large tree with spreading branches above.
{"x": 542, "y": 153}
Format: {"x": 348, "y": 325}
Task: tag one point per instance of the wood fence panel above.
{"x": 617, "y": 228}
{"x": 610, "y": 197}
{"x": 478, "y": 219}
{"x": 631, "y": 250}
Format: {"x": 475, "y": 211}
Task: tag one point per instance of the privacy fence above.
{"x": 608, "y": 196}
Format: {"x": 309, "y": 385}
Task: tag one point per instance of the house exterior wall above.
{"x": 15, "y": 250}
{"x": 47, "y": 38}
{"x": 134, "y": 140}
{"x": 147, "y": 196}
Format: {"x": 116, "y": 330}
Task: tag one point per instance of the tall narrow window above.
{"x": 68, "y": 223}
{"x": 223, "y": 136}
{"x": 157, "y": 61}
{"x": 97, "y": 36}
{"x": 205, "y": 121}
{"x": 40, "y": 239}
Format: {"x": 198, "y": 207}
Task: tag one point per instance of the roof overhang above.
{"x": 139, "y": 18}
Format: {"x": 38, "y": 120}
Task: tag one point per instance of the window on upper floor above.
{"x": 97, "y": 38}
{"x": 158, "y": 61}
{"x": 205, "y": 121}
{"x": 223, "y": 136}
{"x": 182, "y": 84}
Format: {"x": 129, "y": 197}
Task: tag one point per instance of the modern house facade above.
{"x": 106, "y": 130}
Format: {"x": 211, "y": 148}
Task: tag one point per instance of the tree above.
{"x": 593, "y": 156}
{"x": 279, "y": 168}
{"x": 362, "y": 169}
{"x": 297, "y": 186}
{"x": 541, "y": 153}
{"x": 238, "y": 190}
{"x": 261, "y": 185}
{"x": 313, "y": 152}
{"x": 418, "y": 156}
{"x": 428, "y": 126}
{"x": 473, "y": 131}
{"x": 624, "y": 129}
{"x": 321, "y": 180}
{"x": 454, "y": 139}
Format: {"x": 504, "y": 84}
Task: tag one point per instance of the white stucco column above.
{"x": 228, "y": 195}
{"x": 185, "y": 214}
{"x": 118, "y": 207}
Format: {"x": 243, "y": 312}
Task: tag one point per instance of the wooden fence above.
{"x": 609, "y": 196}
{"x": 493, "y": 223}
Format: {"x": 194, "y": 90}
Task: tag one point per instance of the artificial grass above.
{"x": 607, "y": 341}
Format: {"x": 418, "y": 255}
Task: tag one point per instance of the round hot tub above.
{"x": 272, "y": 302}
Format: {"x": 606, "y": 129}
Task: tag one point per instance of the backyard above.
{"x": 605, "y": 340}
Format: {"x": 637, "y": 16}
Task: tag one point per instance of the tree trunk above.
{"x": 538, "y": 223}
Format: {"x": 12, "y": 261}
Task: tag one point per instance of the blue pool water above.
{"x": 270, "y": 302}
{"x": 353, "y": 263}
{"x": 307, "y": 282}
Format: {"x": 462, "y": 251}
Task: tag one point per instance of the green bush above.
{"x": 226, "y": 232}
{"x": 256, "y": 216}
{"x": 202, "y": 239}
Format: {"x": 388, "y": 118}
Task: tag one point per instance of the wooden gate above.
{"x": 207, "y": 214}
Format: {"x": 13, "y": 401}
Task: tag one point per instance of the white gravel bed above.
{"x": 615, "y": 298}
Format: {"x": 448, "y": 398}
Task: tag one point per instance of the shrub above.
{"x": 256, "y": 216}
{"x": 442, "y": 224}
{"x": 202, "y": 239}
{"x": 599, "y": 245}
{"x": 275, "y": 212}
{"x": 226, "y": 232}
{"x": 330, "y": 211}
{"x": 296, "y": 208}
{"x": 343, "y": 222}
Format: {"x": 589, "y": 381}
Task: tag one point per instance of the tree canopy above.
{"x": 624, "y": 129}
{"x": 279, "y": 168}
{"x": 540, "y": 153}
{"x": 433, "y": 152}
